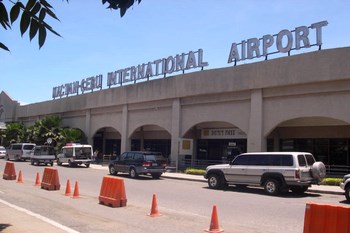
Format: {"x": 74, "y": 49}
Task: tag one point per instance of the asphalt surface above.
{"x": 31, "y": 222}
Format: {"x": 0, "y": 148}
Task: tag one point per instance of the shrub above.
{"x": 331, "y": 181}
{"x": 194, "y": 171}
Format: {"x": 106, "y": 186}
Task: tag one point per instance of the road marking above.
{"x": 38, "y": 216}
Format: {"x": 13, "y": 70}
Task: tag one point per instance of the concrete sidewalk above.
{"x": 326, "y": 189}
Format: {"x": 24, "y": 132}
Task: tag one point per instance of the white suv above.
{"x": 275, "y": 171}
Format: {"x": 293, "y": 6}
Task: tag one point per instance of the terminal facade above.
{"x": 292, "y": 103}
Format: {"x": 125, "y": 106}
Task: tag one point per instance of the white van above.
{"x": 19, "y": 151}
{"x": 75, "y": 154}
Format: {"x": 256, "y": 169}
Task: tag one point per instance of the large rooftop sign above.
{"x": 283, "y": 42}
{"x": 144, "y": 71}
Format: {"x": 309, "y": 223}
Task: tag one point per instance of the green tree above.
{"x": 48, "y": 127}
{"x": 33, "y": 16}
{"x": 70, "y": 135}
{"x": 14, "y": 133}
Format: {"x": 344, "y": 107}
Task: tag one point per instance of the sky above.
{"x": 96, "y": 40}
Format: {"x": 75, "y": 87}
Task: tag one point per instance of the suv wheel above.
{"x": 112, "y": 170}
{"x": 347, "y": 193}
{"x": 271, "y": 186}
{"x": 133, "y": 173}
{"x": 215, "y": 181}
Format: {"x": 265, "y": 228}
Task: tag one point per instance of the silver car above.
{"x": 2, "y": 152}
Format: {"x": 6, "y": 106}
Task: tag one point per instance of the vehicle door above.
{"x": 305, "y": 162}
{"x": 236, "y": 172}
{"x": 257, "y": 165}
{"x": 121, "y": 164}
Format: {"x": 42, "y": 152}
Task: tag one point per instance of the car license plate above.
{"x": 154, "y": 164}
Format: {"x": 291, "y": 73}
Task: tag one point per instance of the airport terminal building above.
{"x": 291, "y": 103}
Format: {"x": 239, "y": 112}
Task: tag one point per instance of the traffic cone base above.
{"x": 214, "y": 223}
{"x": 154, "y": 208}
{"x": 20, "y": 179}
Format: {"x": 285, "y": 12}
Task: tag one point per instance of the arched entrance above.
{"x": 326, "y": 138}
{"x": 107, "y": 141}
{"x": 152, "y": 138}
{"x": 214, "y": 142}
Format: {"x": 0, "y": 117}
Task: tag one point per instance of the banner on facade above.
{"x": 228, "y": 133}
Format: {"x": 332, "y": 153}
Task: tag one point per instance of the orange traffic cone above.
{"x": 68, "y": 191}
{"x": 37, "y": 180}
{"x": 76, "y": 190}
{"x": 214, "y": 223}
{"x": 154, "y": 209}
{"x": 20, "y": 179}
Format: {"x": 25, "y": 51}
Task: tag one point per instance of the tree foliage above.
{"x": 48, "y": 127}
{"x": 33, "y": 16}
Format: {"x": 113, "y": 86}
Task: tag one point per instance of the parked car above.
{"x": 75, "y": 154}
{"x": 345, "y": 185}
{"x": 2, "y": 152}
{"x": 19, "y": 151}
{"x": 139, "y": 162}
{"x": 43, "y": 154}
{"x": 275, "y": 171}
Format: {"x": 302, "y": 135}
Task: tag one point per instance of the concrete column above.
{"x": 256, "y": 141}
{"x": 88, "y": 126}
{"x": 175, "y": 132}
{"x": 125, "y": 141}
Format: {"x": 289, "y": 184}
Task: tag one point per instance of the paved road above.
{"x": 185, "y": 205}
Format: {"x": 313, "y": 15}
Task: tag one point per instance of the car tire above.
{"x": 51, "y": 164}
{"x": 318, "y": 171}
{"x": 347, "y": 193}
{"x": 59, "y": 163}
{"x": 112, "y": 170}
{"x": 272, "y": 186}
{"x": 32, "y": 162}
{"x": 70, "y": 164}
{"x": 133, "y": 174}
{"x": 215, "y": 181}
{"x": 156, "y": 175}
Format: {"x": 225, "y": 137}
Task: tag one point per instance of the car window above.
{"x": 129, "y": 156}
{"x": 280, "y": 160}
{"x": 28, "y": 147}
{"x": 310, "y": 159}
{"x": 154, "y": 157}
{"x": 16, "y": 147}
{"x": 301, "y": 160}
{"x": 123, "y": 156}
{"x": 138, "y": 157}
{"x": 68, "y": 152}
{"x": 241, "y": 160}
